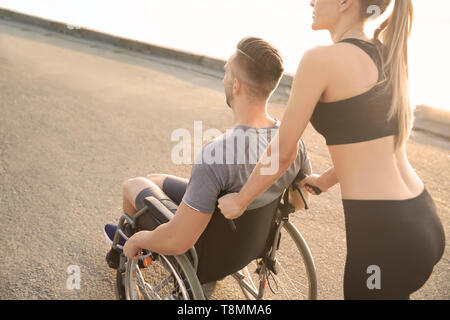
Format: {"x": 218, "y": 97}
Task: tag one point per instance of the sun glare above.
{"x": 181, "y": 24}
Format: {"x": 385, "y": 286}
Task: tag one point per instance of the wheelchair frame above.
{"x": 267, "y": 263}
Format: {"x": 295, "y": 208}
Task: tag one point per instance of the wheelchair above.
{"x": 264, "y": 252}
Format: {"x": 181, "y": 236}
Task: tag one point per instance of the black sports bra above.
{"x": 360, "y": 118}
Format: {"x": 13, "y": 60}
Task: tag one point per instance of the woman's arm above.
{"x": 309, "y": 83}
{"x": 329, "y": 178}
{"x": 324, "y": 182}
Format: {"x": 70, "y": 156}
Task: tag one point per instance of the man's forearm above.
{"x": 160, "y": 240}
{"x": 329, "y": 178}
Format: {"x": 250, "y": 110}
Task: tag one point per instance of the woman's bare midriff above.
{"x": 372, "y": 171}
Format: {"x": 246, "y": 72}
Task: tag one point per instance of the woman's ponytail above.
{"x": 393, "y": 34}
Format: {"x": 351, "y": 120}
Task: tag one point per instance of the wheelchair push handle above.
{"x": 302, "y": 175}
{"x": 230, "y": 221}
{"x": 232, "y": 224}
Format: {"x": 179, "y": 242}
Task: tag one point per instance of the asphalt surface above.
{"x": 77, "y": 118}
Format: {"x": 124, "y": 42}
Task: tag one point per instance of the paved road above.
{"x": 77, "y": 118}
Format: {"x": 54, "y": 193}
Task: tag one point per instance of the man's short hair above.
{"x": 261, "y": 62}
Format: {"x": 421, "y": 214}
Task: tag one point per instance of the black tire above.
{"x": 120, "y": 285}
{"x": 176, "y": 271}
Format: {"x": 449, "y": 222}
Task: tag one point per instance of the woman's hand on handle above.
{"x": 231, "y": 206}
{"x": 324, "y": 182}
{"x": 314, "y": 181}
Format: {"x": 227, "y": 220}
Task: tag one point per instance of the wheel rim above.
{"x": 293, "y": 281}
{"x": 162, "y": 280}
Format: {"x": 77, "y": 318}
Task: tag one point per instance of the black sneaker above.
{"x": 113, "y": 258}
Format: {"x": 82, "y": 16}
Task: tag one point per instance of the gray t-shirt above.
{"x": 225, "y": 164}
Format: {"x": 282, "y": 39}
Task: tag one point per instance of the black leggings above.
{"x": 392, "y": 246}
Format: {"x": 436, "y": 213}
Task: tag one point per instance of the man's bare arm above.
{"x": 172, "y": 238}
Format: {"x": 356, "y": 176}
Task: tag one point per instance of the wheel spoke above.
{"x": 144, "y": 287}
{"x": 158, "y": 287}
{"x": 295, "y": 278}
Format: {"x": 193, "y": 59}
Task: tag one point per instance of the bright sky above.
{"x": 213, "y": 27}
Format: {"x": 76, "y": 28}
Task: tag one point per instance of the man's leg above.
{"x": 174, "y": 187}
{"x": 137, "y": 189}
{"x": 128, "y": 207}
{"x": 158, "y": 179}
{"x": 131, "y": 189}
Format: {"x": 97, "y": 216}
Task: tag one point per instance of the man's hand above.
{"x": 231, "y": 206}
{"x": 130, "y": 249}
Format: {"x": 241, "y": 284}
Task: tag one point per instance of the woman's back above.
{"x": 353, "y": 112}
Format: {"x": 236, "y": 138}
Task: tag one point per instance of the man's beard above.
{"x": 229, "y": 103}
{"x": 229, "y": 99}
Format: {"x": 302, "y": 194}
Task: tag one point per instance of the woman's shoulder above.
{"x": 321, "y": 58}
{"x": 316, "y": 57}
{"x": 331, "y": 57}
{"x": 317, "y": 53}
{"x": 325, "y": 53}
{"x": 330, "y": 51}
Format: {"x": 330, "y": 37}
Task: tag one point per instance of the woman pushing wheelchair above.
{"x": 355, "y": 93}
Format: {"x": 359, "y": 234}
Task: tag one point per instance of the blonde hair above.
{"x": 393, "y": 34}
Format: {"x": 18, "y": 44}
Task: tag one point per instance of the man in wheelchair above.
{"x": 252, "y": 74}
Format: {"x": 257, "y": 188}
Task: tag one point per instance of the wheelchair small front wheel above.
{"x": 165, "y": 278}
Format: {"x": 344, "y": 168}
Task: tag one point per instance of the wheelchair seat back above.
{"x": 222, "y": 251}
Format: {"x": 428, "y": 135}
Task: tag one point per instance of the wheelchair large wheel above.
{"x": 166, "y": 278}
{"x": 295, "y": 278}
